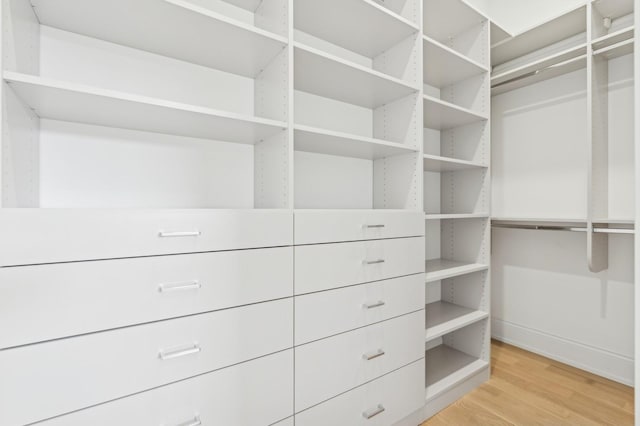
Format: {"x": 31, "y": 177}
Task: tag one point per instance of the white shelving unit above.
{"x": 444, "y": 318}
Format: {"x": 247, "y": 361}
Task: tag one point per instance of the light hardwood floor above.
{"x": 528, "y": 389}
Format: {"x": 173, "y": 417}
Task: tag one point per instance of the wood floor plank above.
{"x": 528, "y": 389}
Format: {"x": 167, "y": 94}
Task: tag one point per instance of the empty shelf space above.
{"x": 443, "y": 66}
{"x": 435, "y": 163}
{"x": 444, "y": 317}
{"x": 498, "y": 34}
{"x": 353, "y": 24}
{"x": 329, "y": 76}
{"x": 537, "y": 66}
{"x": 173, "y": 28}
{"x": 440, "y": 269}
{"x": 441, "y": 29}
{"x": 448, "y": 216}
{"x": 310, "y": 139}
{"x": 84, "y": 104}
{"x": 622, "y": 48}
{"x": 560, "y": 27}
{"x": 446, "y": 367}
{"x": 250, "y": 5}
{"x": 613, "y": 38}
{"x": 442, "y": 115}
{"x": 614, "y": 221}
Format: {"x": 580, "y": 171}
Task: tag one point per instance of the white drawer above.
{"x": 328, "y": 367}
{"x": 57, "y": 300}
{"x": 327, "y": 226}
{"x": 325, "y": 266}
{"x": 47, "y": 379}
{"x": 393, "y": 397}
{"x": 33, "y": 236}
{"x": 326, "y": 313}
{"x": 258, "y": 392}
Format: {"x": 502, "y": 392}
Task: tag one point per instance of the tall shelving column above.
{"x": 457, "y": 199}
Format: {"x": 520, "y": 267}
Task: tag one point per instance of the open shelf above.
{"x": 435, "y": 216}
{"x": 435, "y": 163}
{"x": 353, "y": 24}
{"x": 441, "y": 29}
{"x": 443, "y": 66}
{"x": 558, "y": 28}
{"x": 250, "y": 5}
{"x": 446, "y": 367}
{"x": 172, "y": 28}
{"x": 613, "y": 38}
{"x": 621, "y": 48}
{"x": 498, "y": 34}
{"x": 613, "y": 8}
{"x": 442, "y": 115}
{"x": 329, "y": 76}
{"x": 311, "y": 139}
{"x": 444, "y": 317}
{"x": 440, "y": 269}
{"x": 83, "y": 104}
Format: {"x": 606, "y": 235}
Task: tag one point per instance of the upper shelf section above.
{"x": 83, "y": 104}
{"x": 559, "y": 28}
{"x": 173, "y": 28}
{"x": 356, "y": 25}
{"x": 613, "y": 9}
{"x": 329, "y": 76}
{"x": 463, "y": 19}
{"x": 443, "y": 66}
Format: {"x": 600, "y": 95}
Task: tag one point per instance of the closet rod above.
{"x": 539, "y": 71}
{"x": 564, "y": 228}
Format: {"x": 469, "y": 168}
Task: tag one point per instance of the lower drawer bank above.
{"x": 381, "y": 402}
{"x": 48, "y": 379}
{"x": 258, "y": 392}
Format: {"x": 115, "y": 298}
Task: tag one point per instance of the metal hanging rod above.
{"x": 539, "y": 71}
{"x": 563, "y": 228}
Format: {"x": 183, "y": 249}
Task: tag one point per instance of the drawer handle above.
{"x": 374, "y": 226}
{"x": 373, "y": 262}
{"x": 375, "y": 305}
{"x": 378, "y": 354}
{"x": 174, "y": 234}
{"x": 179, "y": 352}
{"x": 194, "y": 422}
{"x": 187, "y": 285}
{"x": 374, "y": 412}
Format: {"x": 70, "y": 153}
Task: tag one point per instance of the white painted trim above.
{"x": 594, "y": 360}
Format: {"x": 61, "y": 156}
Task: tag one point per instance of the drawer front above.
{"x": 34, "y": 236}
{"x": 323, "y": 314}
{"x": 87, "y": 295}
{"x": 382, "y": 402}
{"x": 100, "y": 367}
{"x": 326, "y": 266}
{"x": 328, "y": 367}
{"x": 258, "y": 392}
{"x": 328, "y": 226}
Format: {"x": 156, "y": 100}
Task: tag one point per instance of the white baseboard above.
{"x": 597, "y": 361}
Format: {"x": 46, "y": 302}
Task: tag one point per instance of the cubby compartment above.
{"x": 107, "y": 107}
{"x": 389, "y": 54}
{"x": 456, "y": 357}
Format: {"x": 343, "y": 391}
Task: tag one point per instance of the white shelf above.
{"x": 446, "y": 367}
{"x": 622, "y": 48}
{"x": 547, "y": 73}
{"x": 173, "y": 28}
{"x": 450, "y": 216}
{"x": 84, "y": 104}
{"x": 435, "y": 163}
{"x": 498, "y": 34}
{"x": 442, "y": 115}
{"x": 613, "y": 8}
{"x": 250, "y": 5}
{"x": 535, "y": 67}
{"x": 362, "y": 26}
{"x": 570, "y": 222}
{"x": 310, "y": 139}
{"x": 463, "y": 17}
{"x": 443, "y": 66}
{"x": 615, "y": 221}
{"x": 332, "y": 77}
{"x": 613, "y": 38}
{"x": 443, "y": 318}
{"x": 558, "y": 28}
{"x": 440, "y": 269}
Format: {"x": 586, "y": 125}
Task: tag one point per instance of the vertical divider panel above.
{"x": 636, "y": 76}
{"x": 597, "y": 119}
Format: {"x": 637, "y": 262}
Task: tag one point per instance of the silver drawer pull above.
{"x": 378, "y": 354}
{"x": 186, "y": 285}
{"x": 179, "y": 352}
{"x": 375, "y": 305}
{"x": 374, "y": 412}
{"x": 374, "y": 226}
{"x": 373, "y": 262}
{"x": 174, "y": 234}
{"x": 193, "y": 422}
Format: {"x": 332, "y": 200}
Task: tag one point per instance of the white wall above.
{"x": 516, "y": 16}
